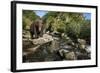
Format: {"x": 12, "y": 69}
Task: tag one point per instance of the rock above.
{"x": 26, "y": 36}
{"x": 27, "y": 44}
{"x": 49, "y": 58}
{"x": 32, "y": 50}
{"x": 63, "y": 35}
{"x": 82, "y": 45}
{"x": 62, "y": 51}
{"x": 82, "y": 56}
{"x": 70, "y": 56}
{"x": 67, "y": 55}
{"x": 56, "y": 38}
{"x": 88, "y": 49}
{"x": 38, "y": 41}
{"x": 81, "y": 41}
{"x": 70, "y": 42}
{"x": 67, "y": 46}
{"x": 54, "y": 46}
{"x": 42, "y": 40}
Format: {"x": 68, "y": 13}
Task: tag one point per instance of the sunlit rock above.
{"x": 42, "y": 40}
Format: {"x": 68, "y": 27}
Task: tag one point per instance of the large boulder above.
{"x": 42, "y": 40}
{"x": 67, "y": 55}
{"x": 81, "y": 43}
{"x": 54, "y": 46}
{"x": 70, "y": 56}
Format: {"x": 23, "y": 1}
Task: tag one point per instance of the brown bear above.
{"x": 36, "y": 28}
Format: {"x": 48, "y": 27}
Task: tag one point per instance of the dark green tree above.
{"x": 72, "y": 24}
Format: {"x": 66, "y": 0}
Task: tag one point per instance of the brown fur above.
{"x": 36, "y": 29}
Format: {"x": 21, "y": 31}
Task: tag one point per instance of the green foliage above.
{"x": 28, "y": 17}
{"x": 86, "y": 31}
{"x": 72, "y": 24}
{"x": 30, "y": 14}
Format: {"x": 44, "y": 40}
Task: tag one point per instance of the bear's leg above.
{"x": 36, "y": 32}
{"x": 31, "y": 34}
